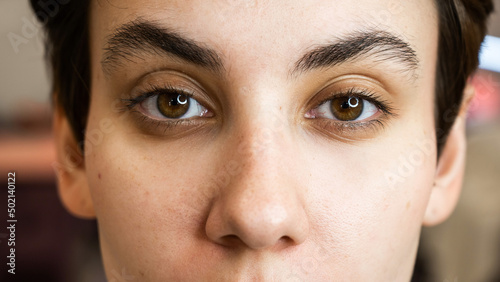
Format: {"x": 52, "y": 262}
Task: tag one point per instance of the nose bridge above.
{"x": 260, "y": 204}
{"x": 257, "y": 135}
{"x": 259, "y": 147}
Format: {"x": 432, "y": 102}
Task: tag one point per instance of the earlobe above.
{"x": 70, "y": 169}
{"x": 450, "y": 170}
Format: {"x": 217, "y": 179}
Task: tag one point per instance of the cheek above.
{"x": 148, "y": 196}
{"x": 369, "y": 202}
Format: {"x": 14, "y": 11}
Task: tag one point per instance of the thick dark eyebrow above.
{"x": 133, "y": 39}
{"x": 383, "y": 45}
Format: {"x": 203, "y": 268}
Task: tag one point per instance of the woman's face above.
{"x": 261, "y": 140}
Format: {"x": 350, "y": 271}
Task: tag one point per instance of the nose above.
{"x": 261, "y": 205}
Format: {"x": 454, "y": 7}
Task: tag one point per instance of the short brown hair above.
{"x": 462, "y": 28}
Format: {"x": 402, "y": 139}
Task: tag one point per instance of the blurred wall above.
{"x": 494, "y": 25}
{"x": 22, "y": 67}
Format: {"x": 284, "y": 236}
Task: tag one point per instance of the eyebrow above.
{"x": 134, "y": 38}
{"x": 380, "y": 44}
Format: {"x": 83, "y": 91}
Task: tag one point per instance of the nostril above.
{"x": 285, "y": 240}
{"x": 231, "y": 241}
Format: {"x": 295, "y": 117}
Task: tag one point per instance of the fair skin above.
{"x": 262, "y": 182}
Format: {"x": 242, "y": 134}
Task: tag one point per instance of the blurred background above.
{"x": 55, "y": 246}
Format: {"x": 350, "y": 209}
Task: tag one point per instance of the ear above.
{"x": 450, "y": 170}
{"x": 70, "y": 169}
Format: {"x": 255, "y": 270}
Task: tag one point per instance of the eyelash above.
{"x": 151, "y": 91}
{"x": 346, "y": 127}
{"x": 153, "y": 125}
{"x": 334, "y": 126}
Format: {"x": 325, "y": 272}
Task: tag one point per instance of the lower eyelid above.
{"x": 348, "y": 131}
{"x": 169, "y": 128}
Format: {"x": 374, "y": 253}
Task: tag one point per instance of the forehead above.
{"x": 270, "y": 32}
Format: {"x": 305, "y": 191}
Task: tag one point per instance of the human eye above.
{"x": 352, "y": 112}
{"x": 169, "y": 103}
{"x": 167, "y": 107}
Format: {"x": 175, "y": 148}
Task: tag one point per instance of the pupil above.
{"x": 346, "y": 108}
{"x": 181, "y": 100}
{"x": 173, "y": 105}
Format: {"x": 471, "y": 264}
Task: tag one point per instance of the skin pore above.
{"x": 261, "y": 180}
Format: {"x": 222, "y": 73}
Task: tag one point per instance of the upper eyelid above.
{"x": 174, "y": 79}
{"x": 152, "y": 91}
{"x": 360, "y": 93}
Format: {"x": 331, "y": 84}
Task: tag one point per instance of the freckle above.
{"x": 408, "y": 205}
{"x": 99, "y": 175}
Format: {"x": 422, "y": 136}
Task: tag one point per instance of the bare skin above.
{"x": 261, "y": 179}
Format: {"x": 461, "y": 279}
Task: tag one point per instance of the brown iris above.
{"x": 347, "y": 108}
{"x": 173, "y": 105}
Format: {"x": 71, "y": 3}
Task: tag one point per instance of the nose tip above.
{"x": 268, "y": 226}
{"x": 257, "y": 222}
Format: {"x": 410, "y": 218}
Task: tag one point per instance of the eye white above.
{"x": 369, "y": 109}
{"x": 150, "y": 106}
